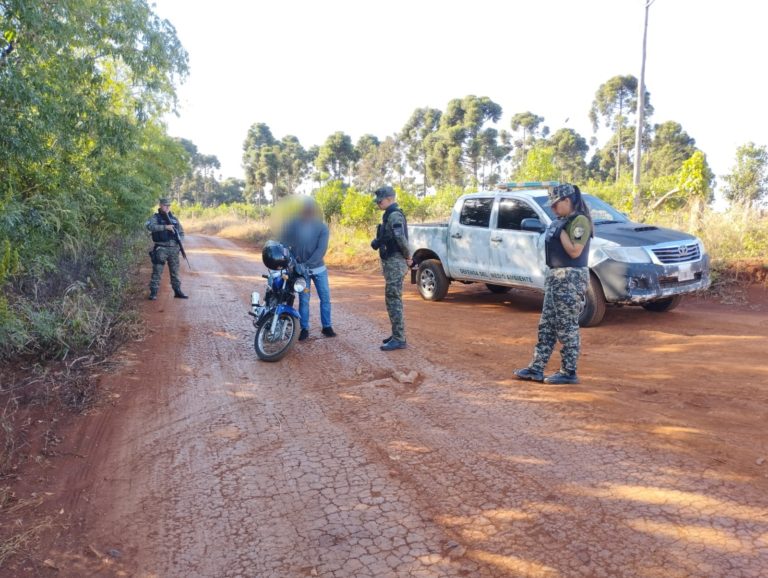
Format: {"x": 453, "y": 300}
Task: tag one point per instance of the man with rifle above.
{"x": 167, "y": 234}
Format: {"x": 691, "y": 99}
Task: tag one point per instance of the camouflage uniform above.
{"x": 564, "y": 295}
{"x": 166, "y": 251}
{"x": 393, "y": 263}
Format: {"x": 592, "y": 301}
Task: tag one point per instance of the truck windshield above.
{"x": 602, "y": 212}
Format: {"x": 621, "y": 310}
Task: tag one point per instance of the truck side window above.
{"x": 512, "y": 212}
{"x": 476, "y": 212}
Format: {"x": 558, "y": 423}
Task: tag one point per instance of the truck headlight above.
{"x": 628, "y": 254}
{"x": 299, "y": 285}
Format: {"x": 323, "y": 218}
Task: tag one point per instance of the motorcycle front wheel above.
{"x": 274, "y": 346}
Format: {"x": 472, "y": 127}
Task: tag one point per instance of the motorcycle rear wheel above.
{"x": 275, "y": 347}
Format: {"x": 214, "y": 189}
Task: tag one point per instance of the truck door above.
{"x": 469, "y": 239}
{"x": 516, "y": 256}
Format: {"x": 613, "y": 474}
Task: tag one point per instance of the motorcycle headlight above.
{"x": 299, "y": 285}
{"x": 628, "y": 254}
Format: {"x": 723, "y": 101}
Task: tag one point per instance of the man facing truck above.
{"x": 392, "y": 244}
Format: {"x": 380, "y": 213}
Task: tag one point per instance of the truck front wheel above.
{"x": 594, "y": 308}
{"x": 432, "y": 280}
{"x": 663, "y": 305}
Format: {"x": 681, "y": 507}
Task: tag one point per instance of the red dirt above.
{"x": 212, "y": 463}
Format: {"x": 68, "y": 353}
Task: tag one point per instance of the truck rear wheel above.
{"x": 662, "y": 305}
{"x": 498, "y": 289}
{"x": 432, "y": 280}
{"x": 594, "y": 308}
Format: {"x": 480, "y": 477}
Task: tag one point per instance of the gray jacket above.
{"x": 309, "y": 242}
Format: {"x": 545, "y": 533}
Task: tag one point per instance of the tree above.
{"x": 695, "y": 181}
{"x": 413, "y": 136}
{"x": 747, "y": 183}
{"x": 614, "y": 101}
{"x": 280, "y": 165}
{"x": 336, "y": 156}
{"x": 83, "y": 156}
{"x": 377, "y": 163}
{"x": 259, "y": 161}
{"x": 669, "y": 148}
{"x": 457, "y": 148}
{"x": 293, "y": 166}
{"x": 569, "y": 150}
{"x": 530, "y": 126}
{"x": 539, "y": 165}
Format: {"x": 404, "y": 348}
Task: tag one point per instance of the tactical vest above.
{"x": 164, "y": 236}
{"x": 557, "y": 257}
{"x": 387, "y": 244}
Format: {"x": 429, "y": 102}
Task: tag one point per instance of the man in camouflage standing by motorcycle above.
{"x": 392, "y": 243}
{"x": 164, "y": 228}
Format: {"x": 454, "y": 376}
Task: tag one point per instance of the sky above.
{"x": 312, "y": 67}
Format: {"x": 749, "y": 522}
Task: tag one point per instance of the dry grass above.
{"x": 23, "y": 540}
{"x": 230, "y": 227}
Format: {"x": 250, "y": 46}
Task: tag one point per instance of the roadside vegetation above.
{"x": 83, "y": 156}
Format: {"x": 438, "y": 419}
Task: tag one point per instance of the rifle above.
{"x": 167, "y": 217}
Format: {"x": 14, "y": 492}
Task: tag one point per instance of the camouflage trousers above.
{"x": 394, "y": 269}
{"x": 565, "y": 291}
{"x": 165, "y": 255}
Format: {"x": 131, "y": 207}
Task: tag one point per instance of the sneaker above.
{"x": 152, "y": 296}
{"x": 387, "y": 340}
{"x": 328, "y": 331}
{"x": 393, "y": 344}
{"x": 303, "y": 334}
{"x": 179, "y": 295}
{"x": 562, "y": 378}
{"x": 528, "y": 374}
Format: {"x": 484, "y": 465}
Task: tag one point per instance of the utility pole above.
{"x": 640, "y": 113}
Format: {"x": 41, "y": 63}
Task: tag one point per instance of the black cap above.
{"x": 384, "y": 192}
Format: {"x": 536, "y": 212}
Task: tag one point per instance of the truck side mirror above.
{"x": 534, "y": 225}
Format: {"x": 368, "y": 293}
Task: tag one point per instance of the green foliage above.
{"x": 695, "y": 177}
{"x": 336, "y": 156}
{"x": 539, "y": 165}
{"x": 330, "y": 198}
{"x": 83, "y": 154}
{"x": 670, "y": 147}
{"x": 277, "y": 166}
{"x": 358, "y": 209}
{"x": 747, "y": 183}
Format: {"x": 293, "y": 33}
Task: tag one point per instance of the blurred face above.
{"x": 563, "y": 207}
{"x": 165, "y": 208}
{"x": 384, "y": 203}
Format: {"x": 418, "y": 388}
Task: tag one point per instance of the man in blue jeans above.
{"x": 307, "y": 236}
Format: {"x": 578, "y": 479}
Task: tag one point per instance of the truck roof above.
{"x": 527, "y": 188}
{"x": 524, "y": 192}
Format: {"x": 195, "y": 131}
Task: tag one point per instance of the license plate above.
{"x": 685, "y": 273}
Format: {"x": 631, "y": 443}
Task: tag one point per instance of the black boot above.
{"x": 563, "y": 377}
{"x": 152, "y": 295}
{"x": 528, "y": 374}
{"x": 303, "y": 334}
{"x": 328, "y": 331}
{"x": 179, "y": 295}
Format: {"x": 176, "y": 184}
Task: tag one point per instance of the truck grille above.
{"x": 678, "y": 254}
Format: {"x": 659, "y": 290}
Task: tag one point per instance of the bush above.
{"x": 358, "y": 209}
{"x": 330, "y": 197}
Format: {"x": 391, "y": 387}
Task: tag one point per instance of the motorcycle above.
{"x": 276, "y": 320}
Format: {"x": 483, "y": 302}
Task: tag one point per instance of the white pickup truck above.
{"x": 496, "y": 238}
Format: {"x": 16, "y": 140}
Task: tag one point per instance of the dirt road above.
{"x": 214, "y": 464}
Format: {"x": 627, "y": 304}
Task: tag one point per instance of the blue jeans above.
{"x": 324, "y": 292}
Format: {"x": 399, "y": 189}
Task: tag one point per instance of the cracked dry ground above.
{"x": 214, "y": 464}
